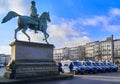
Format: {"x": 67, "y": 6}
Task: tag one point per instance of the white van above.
{"x": 77, "y": 66}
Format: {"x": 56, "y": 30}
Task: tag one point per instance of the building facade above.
{"x": 61, "y": 54}
{"x": 72, "y": 53}
{"x": 117, "y": 51}
{"x": 100, "y": 50}
{"x": 4, "y": 59}
{"x": 107, "y": 50}
{"x": 92, "y": 50}
{"x": 77, "y": 53}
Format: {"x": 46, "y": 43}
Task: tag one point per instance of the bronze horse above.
{"x": 25, "y": 22}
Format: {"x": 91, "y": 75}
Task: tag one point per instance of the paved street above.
{"x": 101, "y": 78}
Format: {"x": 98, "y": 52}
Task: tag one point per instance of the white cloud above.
{"x": 76, "y": 41}
{"x": 112, "y": 28}
{"x": 5, "y": 49}
{"x": 90, "y": 21}
{"x": 114, "y": 12}
{"x": 16, "y": 5}
{"x": 95, "y": 21}
{"x": 66, "y": 35}
{"x": 104, "y": 22}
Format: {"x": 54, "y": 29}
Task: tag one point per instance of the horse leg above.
{"x": 24, "y": 31}
{"x": 46, "y": 36}
{"x": 16, "y": 30}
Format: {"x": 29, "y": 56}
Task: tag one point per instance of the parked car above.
{"x": 77, "y": 66}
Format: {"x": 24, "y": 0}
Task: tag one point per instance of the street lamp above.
{"x": 112, "y": 48}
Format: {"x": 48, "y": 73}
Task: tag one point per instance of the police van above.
{"x": 72, "y": 65}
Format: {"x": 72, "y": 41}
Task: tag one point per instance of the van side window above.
{"x": 65, "y": 64}
{"x": 84, "y": 64}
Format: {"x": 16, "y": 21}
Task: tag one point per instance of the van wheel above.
{"x": 74, "y": 72}
{"x": 82, "y": 73}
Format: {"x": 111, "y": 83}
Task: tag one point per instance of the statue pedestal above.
{"x": 31, "y": 60}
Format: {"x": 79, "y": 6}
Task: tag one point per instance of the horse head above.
{"x": 46, "y": 16}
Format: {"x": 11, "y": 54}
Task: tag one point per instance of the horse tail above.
{"x": 9, "y": 16}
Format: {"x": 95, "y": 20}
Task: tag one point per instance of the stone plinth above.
{"x": 32, "y": 60}
{"x": 31, "y": 51}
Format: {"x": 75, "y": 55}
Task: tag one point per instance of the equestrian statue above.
{"x": 34, "y": 22}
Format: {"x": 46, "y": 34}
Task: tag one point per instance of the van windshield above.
{"x": 77, "y": 63}
{"x": 84, "y": 64}
{"x": 89, "y": 63}
{"x": 98, "y": 64}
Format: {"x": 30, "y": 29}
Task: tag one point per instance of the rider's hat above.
{"x": 32, "y": 2}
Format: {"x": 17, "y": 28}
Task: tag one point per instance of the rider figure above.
{"x": 33, "y": 13}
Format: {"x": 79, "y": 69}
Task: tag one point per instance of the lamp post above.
{"x": 112, "y": 48}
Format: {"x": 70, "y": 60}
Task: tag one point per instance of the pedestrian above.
{"x": 71, "y": 67}
{"x": 13, "y": 67}
{"x": 60, "y": 67}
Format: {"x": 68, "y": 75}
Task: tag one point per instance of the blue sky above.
{"x": 74, "y": 22}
